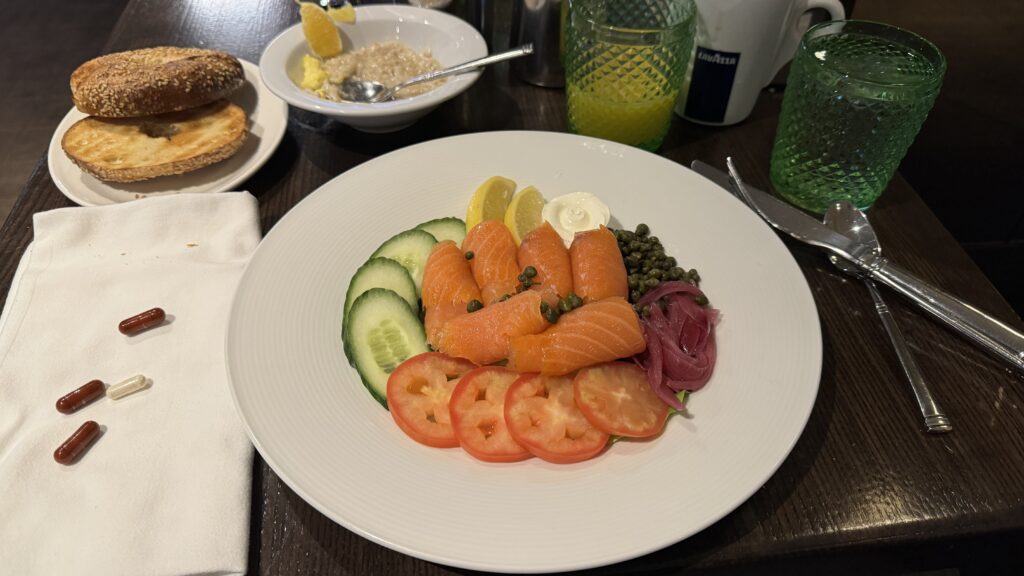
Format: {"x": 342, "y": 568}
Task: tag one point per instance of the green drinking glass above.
{"x": 857, "y": 94}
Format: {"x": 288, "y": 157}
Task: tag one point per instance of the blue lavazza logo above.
{"x": 717, "y": 57}
{"x": 711, "y": 84}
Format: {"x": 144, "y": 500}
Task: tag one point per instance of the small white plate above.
{"x": 268, "y": 118}
{"x": 316, "y": 425}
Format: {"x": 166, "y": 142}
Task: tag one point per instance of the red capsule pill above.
{"x": 140, "y": 322}
{"x": 74, "y": 446}
{"x": 80, "y": 397}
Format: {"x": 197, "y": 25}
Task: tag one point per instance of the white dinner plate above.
{"x": 322, "y": 433}
{"x": 268, "y": 119}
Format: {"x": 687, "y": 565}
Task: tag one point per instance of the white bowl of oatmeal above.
{"x": 387, "y": 43}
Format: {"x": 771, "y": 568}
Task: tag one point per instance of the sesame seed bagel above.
{"x": 154, "y": 81}
{"x": 133, "y": 149}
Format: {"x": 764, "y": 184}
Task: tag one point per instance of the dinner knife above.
{"x": 981, "y": 328}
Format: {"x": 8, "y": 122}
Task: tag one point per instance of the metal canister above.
{"x": 539, "y": 22}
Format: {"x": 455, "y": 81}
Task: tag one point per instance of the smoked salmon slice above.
{"x": 448, "y": 285}
{"x": 436, "y": 316}
{"x": 598, "y": 271}
{"x": 494, "y": 259}
{"x": 598, "y": 332}
{"x": 543, "y": 249}
{"x": 447, "y": 278}
{"x": 483, "y": 336}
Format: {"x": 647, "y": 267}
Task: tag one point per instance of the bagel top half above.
{"x": 156, "y": 80}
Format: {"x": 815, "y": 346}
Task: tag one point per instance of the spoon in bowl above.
{"x": 849, "y": 221}
{"x": 372, "y": 92}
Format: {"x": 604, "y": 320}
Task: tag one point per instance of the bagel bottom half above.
{"x": 133, "y": 149}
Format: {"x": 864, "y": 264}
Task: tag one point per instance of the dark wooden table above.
{"x": 864, "y": 490}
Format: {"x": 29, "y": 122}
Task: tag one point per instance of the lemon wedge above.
{"x": 524, "y": 213}
{"x": 320, "y": 32}
{"x": 490, "y": 201}
{"x": 346, "y": 14}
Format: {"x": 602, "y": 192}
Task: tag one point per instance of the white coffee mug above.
{"x": 740, "y": 47}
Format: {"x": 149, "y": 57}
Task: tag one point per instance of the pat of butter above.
{"x": 575, "y": 212}
{"x": 313, "y": 74}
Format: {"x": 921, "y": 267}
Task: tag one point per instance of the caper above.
{"x": 654, "y": 240}
{"x": 564, "y": 305}
{"x": 635, "y": 295}
{"x": 504, "y": 297}
{"x": 551, "y": 315}
{"x": 694, "y": 276}
{"x": 469, "y": 255}
{"x": 670, "y": 262}
{"x": 642, "y": 229}
{"x": 575, "y": 300}
{"x": 657, "y": 274}
{"x": 474, "y": 305}
{"x": 645, "y": 311}
{"x": 676, "y": 273}
{"x": 544, "y": 307}
{"x": 651, "y": 282}
{"x": 701, "y": 299}
{"x": 635, "y": 245}
{"x": 529, "y": 271}
{"x": 633, "y": 281}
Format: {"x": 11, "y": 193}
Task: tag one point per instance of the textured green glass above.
{"x": 624, "y": 66}
{"x": 856, "y": 97}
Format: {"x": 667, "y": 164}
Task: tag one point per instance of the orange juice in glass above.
{"x": 625, "y": 62}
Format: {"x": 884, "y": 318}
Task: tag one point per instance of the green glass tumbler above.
{"x": 857, "y": 94}
{"x": 624, "y": 66}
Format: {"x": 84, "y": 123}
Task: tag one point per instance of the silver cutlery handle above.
{"x": 989, "y": 333}
{"x": 935, "y": 420}
{"x": 466, "y": 67}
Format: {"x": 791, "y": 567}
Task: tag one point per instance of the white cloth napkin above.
{"x": 166, "y": 487}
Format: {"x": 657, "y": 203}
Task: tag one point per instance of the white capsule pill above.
{"x": 129, "y": 386}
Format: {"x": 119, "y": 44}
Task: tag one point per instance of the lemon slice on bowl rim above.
{"x": 320, "y": 31}
{"x": 345, "y": 14}
{"x": 490, "y": 201}
{"x": 524, "y": 213}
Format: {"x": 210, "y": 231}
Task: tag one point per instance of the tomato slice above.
{"x": 478, "y": 415}
{"x": 418, "y": 393}
{"x": 542, "y": 416}
{"x": 617, "y": 398}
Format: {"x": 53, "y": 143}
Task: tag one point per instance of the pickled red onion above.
{"x": 681, "y": 349}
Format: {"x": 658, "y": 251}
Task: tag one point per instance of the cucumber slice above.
{"x": 442, "y": 229}
{"x": 380, "y": 273}
{"x": 410, "y": 249}
{"x": 382, "y": 332}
